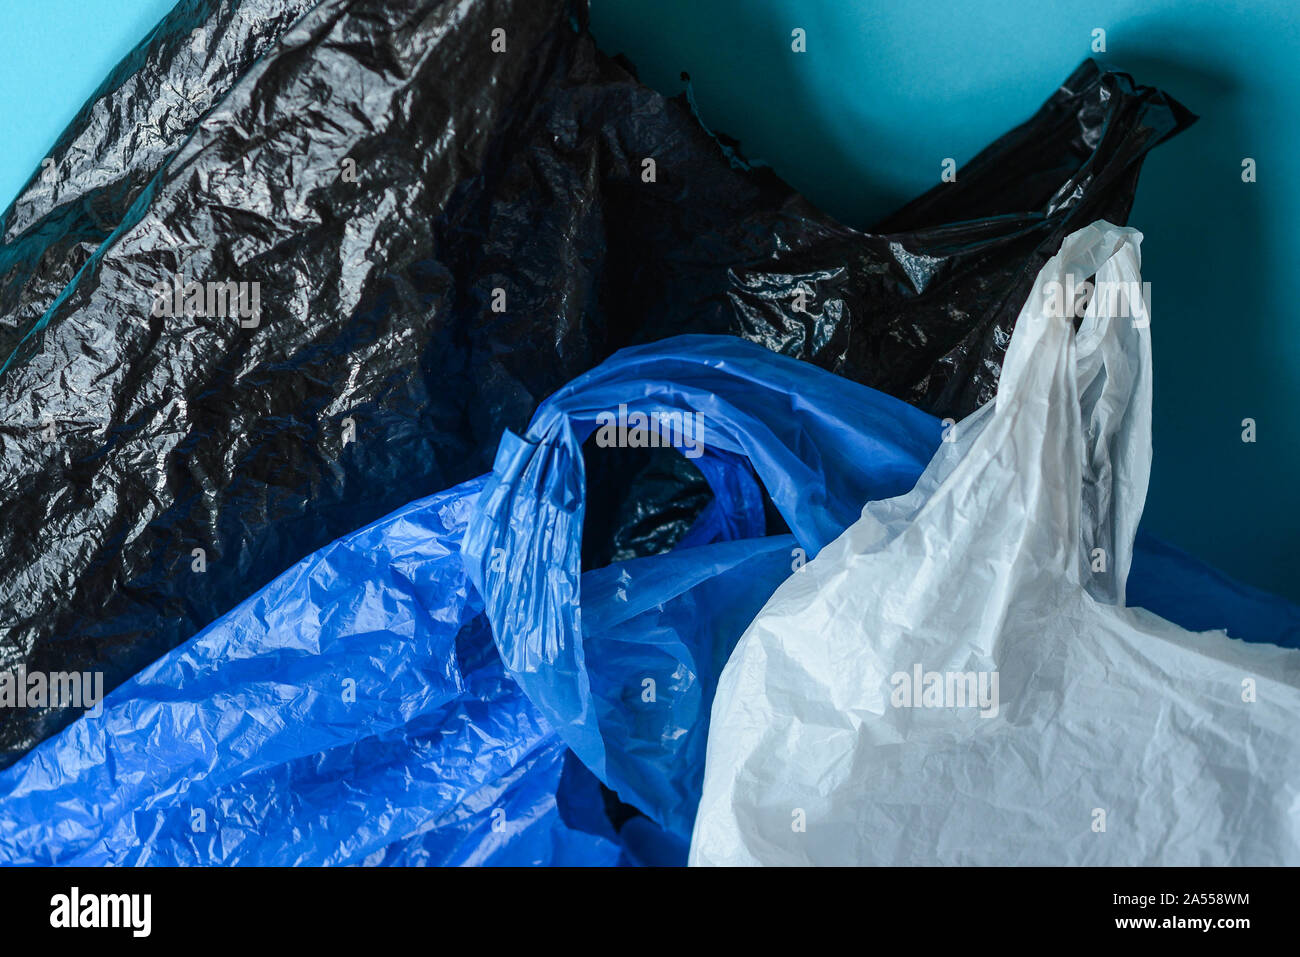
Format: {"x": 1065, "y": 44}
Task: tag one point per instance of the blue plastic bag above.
{"x": 353, "y": 711}
{"x": 623, "y": 660}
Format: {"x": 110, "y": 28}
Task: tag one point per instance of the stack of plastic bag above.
{"x": 520, "y": 668}
{"x": 357, "y": 710}
{"x": 298, "y": 264}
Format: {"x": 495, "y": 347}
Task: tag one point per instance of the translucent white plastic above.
{"x": 956, "y": 680}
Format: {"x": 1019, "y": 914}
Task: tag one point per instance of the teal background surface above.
{"x": 862, "y": 121}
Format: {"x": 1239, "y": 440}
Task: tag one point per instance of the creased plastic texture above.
{"x": 356, "y": 709}
{"x": 837, "y": 736}
{"x": 127, "y": 441}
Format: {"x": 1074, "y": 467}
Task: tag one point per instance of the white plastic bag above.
{"x": 955, "y": 679}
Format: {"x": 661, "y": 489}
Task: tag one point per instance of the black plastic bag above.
{"x": 377, "y": 180}
{"x": 139, "y": 116}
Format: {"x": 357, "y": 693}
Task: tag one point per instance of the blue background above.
{"x": 861, "y": 123}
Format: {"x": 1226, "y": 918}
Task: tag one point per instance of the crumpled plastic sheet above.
{"x": 377, "y": 370}
{"x": 248, "y": 722}
{"x": 135, "y": 121}
{"x": 1112, "y": 737}
{"x": 354, "y": 711}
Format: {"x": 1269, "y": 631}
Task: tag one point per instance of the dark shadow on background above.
{"x": 775, "y": 114}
